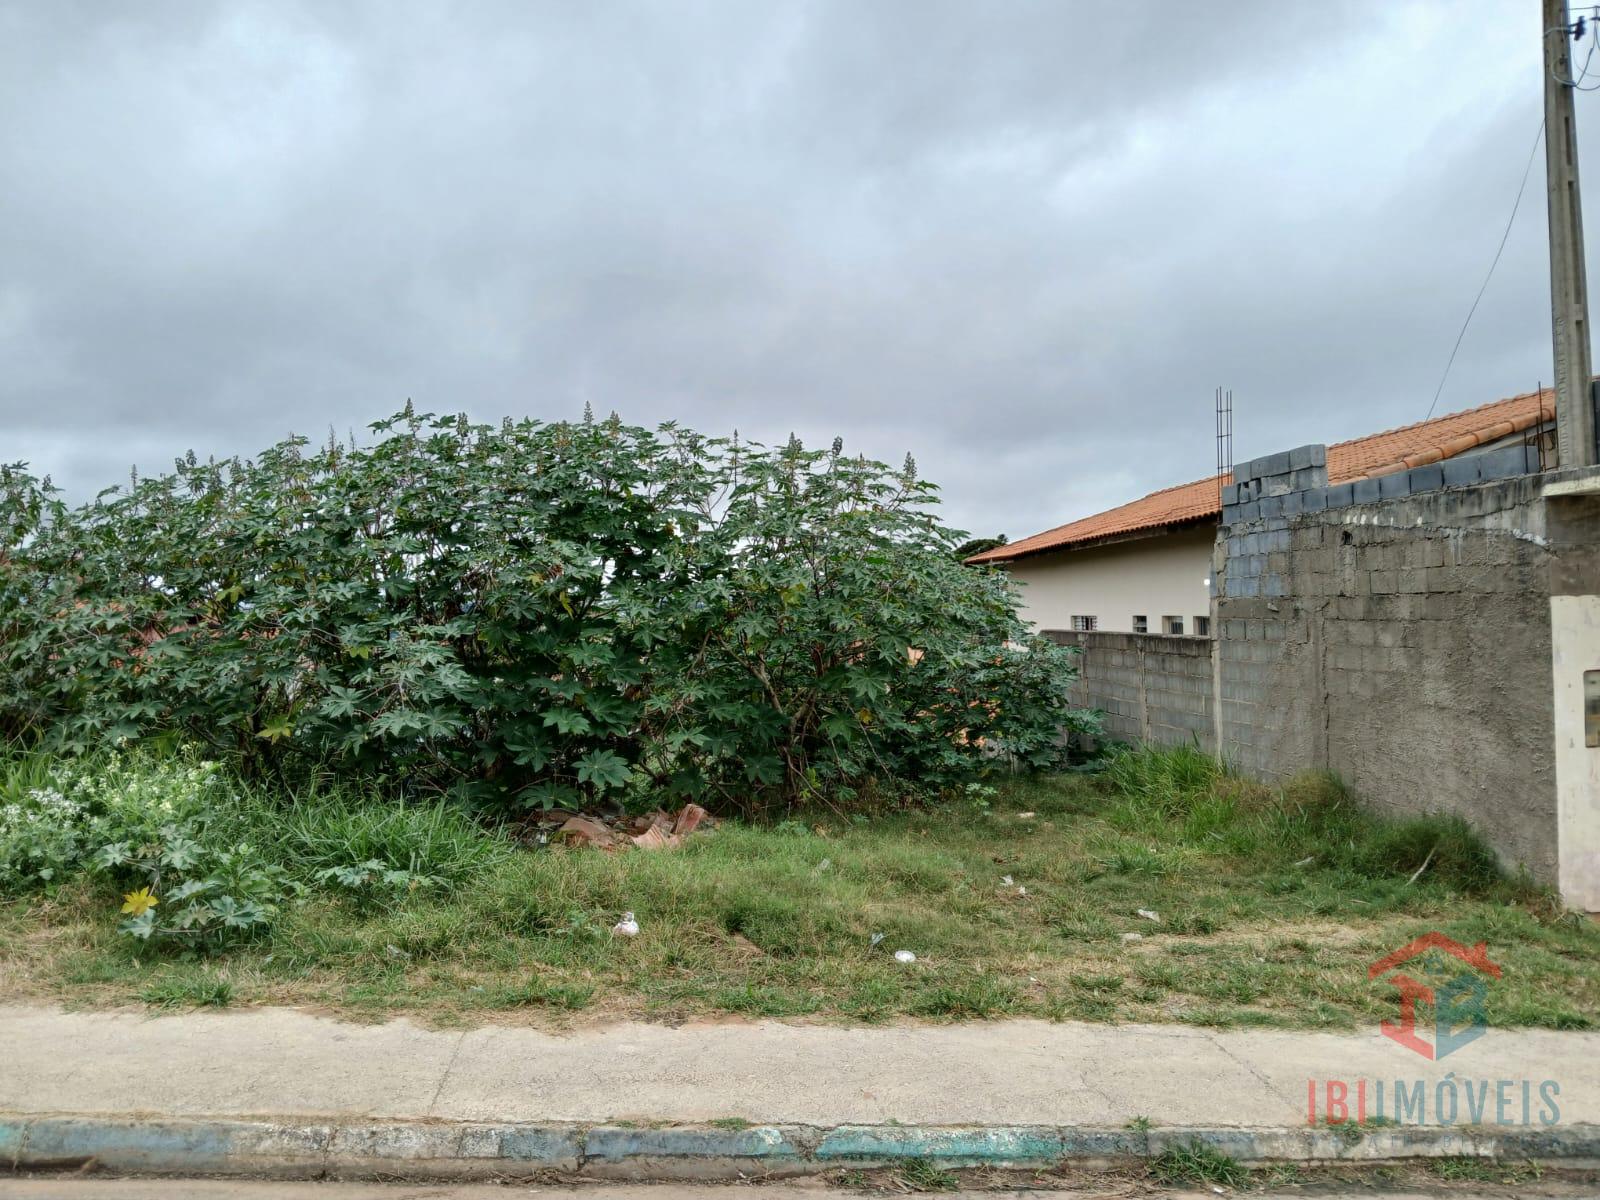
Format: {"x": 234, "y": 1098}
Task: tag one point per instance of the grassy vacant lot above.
{"x": 1271, "y": 905}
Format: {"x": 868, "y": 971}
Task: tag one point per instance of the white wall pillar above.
{"x": 1575, "y": 649}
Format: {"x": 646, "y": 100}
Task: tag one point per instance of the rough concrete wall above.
{"x": 1152, "y": 688}
{"x": 1403, "y": 643}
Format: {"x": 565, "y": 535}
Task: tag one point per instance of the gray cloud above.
{"x": 1022, "y": 240}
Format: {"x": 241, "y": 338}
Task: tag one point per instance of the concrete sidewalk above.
{"x": 620, "y": 1090}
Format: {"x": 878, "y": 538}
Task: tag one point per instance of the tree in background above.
{"x": 978, "y": 545}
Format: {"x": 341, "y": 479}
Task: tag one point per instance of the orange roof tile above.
{"x": 1377, "y": 454}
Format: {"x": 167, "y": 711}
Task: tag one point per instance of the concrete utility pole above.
{"x": 1569, "y": 289}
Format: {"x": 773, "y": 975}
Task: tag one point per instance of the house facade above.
{"x": 1155, "y": 583}
{"x": 1146, "y": 566}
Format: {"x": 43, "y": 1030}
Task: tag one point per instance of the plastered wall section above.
{"x": 1573, "y": 527}
{"x": 1163, "y": 575}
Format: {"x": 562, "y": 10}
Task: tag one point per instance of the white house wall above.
{"x": 1155, "y": 577}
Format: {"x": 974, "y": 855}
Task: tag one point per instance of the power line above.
{"x": 1576, "y": 32}
{"x": 1500, "y": 249}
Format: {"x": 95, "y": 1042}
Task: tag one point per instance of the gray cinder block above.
{"x": 1313, "y": 455}
{"x": 1429, "y": 478}
{"x": 1274, "y": 464}
{"x": 1277, "y": 485}
{"x": 1394, "y": 485}
{"x": 1366, "y": 491}
{"x": 1463, "y": 470}
{"x": 1341, "y": 494}
{"x": 1502, "y": 463}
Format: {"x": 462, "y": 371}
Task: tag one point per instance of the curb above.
{"x": 481, "y": 1150}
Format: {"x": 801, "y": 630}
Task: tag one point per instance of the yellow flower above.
{"x": 138, "y": 903}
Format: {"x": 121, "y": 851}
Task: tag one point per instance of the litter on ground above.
{"x": 658, "y": 830}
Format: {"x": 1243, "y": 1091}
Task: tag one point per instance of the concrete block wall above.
{"x": 1396, "y": 631}
{"x": 1270, "y": 487}
{"x": 1297, "y": 470}
{"x": 1151, "y": 687}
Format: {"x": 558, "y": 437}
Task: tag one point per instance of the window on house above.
{"x": 1085, "y": 624}
{"x": 1141, "y": 624}
{"x": 1173, "y": 625}
{"x": 1202, "y": 627}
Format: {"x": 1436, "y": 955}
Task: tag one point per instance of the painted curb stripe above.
{"x": 200, "y": 1145}
{"x": 762, "y": 1142}
{"x": 967, "y": 1147}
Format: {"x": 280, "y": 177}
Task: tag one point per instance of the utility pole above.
{"x": 1569, "y": 289}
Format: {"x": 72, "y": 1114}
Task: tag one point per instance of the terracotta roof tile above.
{"x": 1377, "y": 454}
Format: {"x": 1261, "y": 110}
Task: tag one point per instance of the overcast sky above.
{"x": 1022, "y": 240}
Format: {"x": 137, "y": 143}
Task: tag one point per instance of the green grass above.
{"x": 1351, "y": 1132}
{"x": 920, "y": 1175}
{"x": 1483, "y": 1170}
{"x": 1196, "y": 1162}
{"x": 743, "y": 919}
{"x": 337, "y": 827}
{"x": 538, "y": 993}
{"x": 187, "y": 989}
